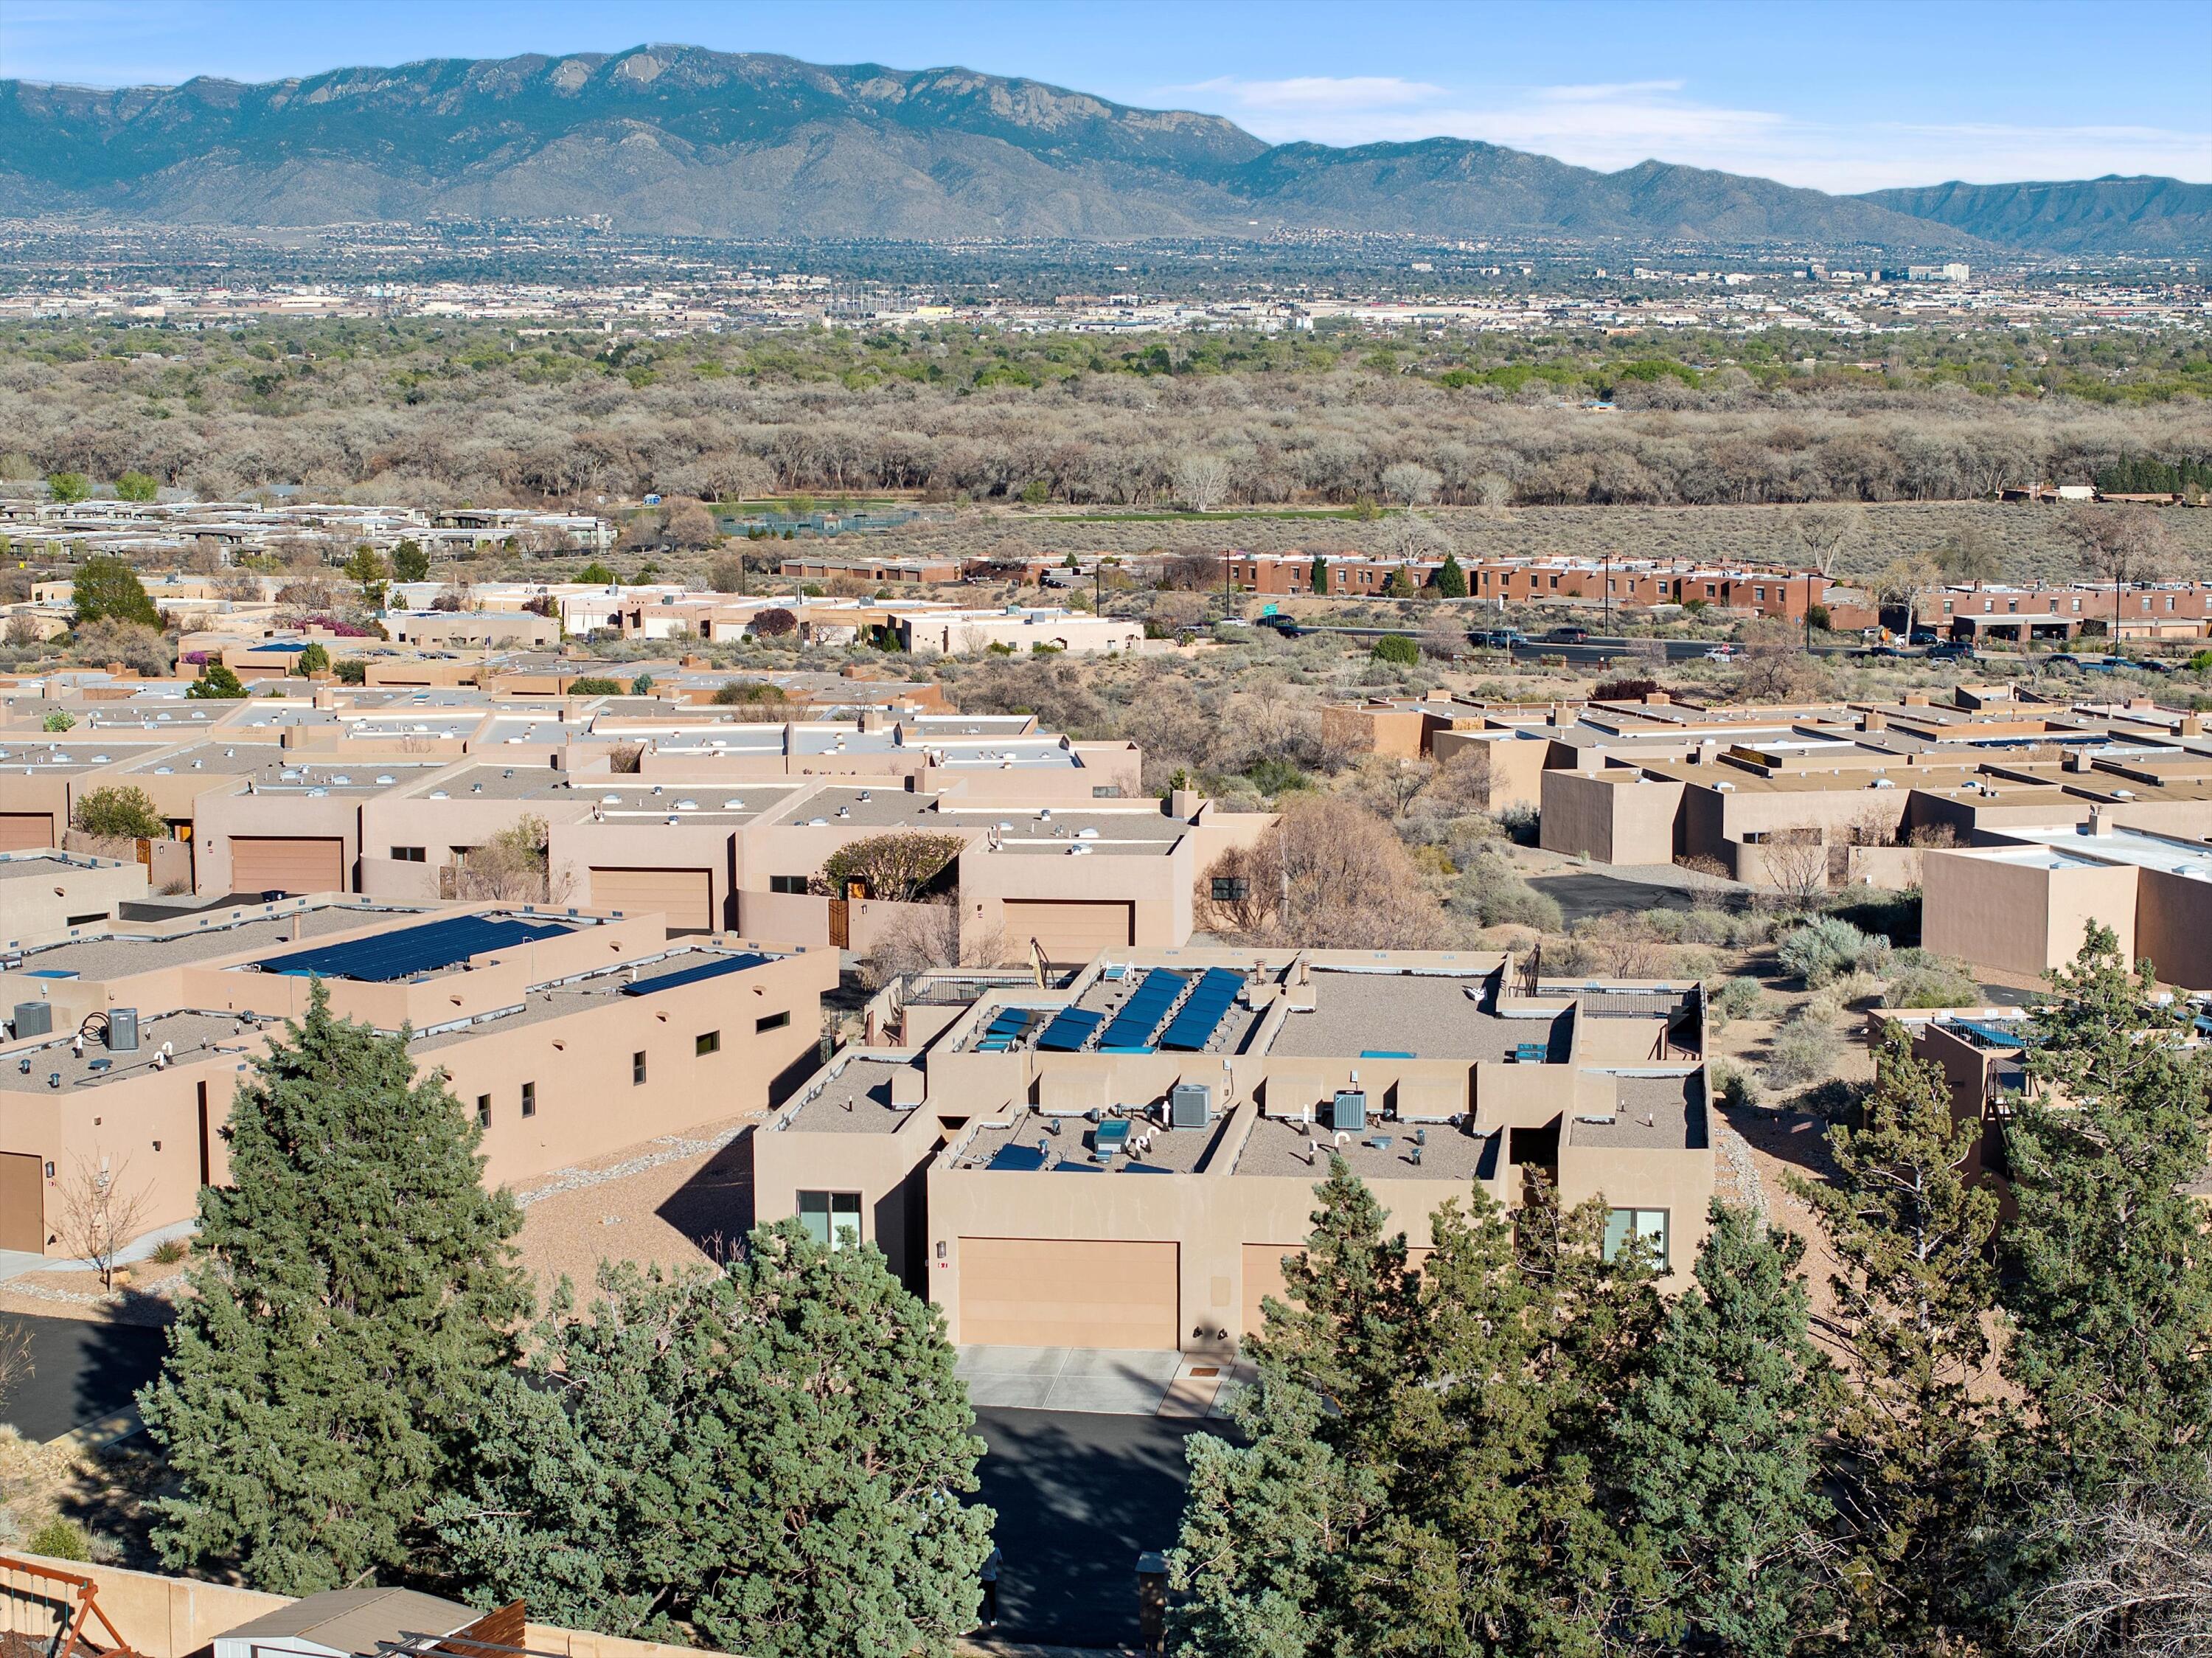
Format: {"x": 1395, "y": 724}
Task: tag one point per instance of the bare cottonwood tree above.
{"x": 1330, "y": 875}
{"x": 100, "y": 1213}
{"x": 1797, "y": 863}
{"x": 1825, "y": 531}
{"x": 513, "y": 867}
{"x": 932, "y": 935}
{"x": 1411, "y": 485}
{"x": 2138, "y": 1578}
{"x": 1201, "y": 481}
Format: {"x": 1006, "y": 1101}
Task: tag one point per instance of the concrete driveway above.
{"x": 1099, "y": 1381}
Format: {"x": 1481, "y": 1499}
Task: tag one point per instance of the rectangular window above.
{"x": 787, "y": 884}
{"x": 530, "y": 1099}
{"x": 707, "y": 1042}
{"x": 775, "y": 1022}
{"x": 637, "y": 1068}
{"x": 831, "y": 1217}
{"x": 407, "y": 854}
{"x": 1228, "y": 889}
{"x": 1647, "y": 1226}
{"x": 483, "y": 1111}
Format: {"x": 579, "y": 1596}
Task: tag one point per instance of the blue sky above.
{"x": 1839, "y": 96}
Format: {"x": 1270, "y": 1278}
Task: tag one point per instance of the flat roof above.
{"x": 29, "y": 753}
{"x": 1285, "y": 1148}
{"x": 1650, "y": 1113}
{"x": 602, "y": 986}
{"x": 1428, "y": 1015}
{"x": 108, "y": 956}
{"x": 22, "y": 866}
{"x": 2174, "y": 857}
{"x": 191, "y": 1033}
{"x": 1066, "y": 1142}
{"x": 854, "y": 1097}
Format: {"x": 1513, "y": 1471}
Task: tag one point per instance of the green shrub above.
{"x": 60, "y": 1539}
{"x": 351, "y": 670}
{"x": 594, "y": 685}
{"x": 1736, "y": 998}
{"x": 1932, "y": 981}
{"x": 216, "y": 683}
{"x": 1803, "y": 1050}
{"x": 1734, "y": 1087}
{"x": 120, "y": 813}
{"x": 1492, "y": 891}
{"x": 314, "y": 659}
{"x": 60, "y": 720}
{"x": 1275, "y": 776}
{"x": 1828, "y": 946}
{"x": 1398, "y": 650}
{"x": 169, "y": 1252}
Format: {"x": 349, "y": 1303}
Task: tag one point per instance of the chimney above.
{"x": 2096, "y": 820}
{"x": 1875, "y": 721}
{"x": 1916, "y": 699}
{"x": 1709, "y": 750}
{"x": 324, "y": 698}
{"x": 2193, "y": 725}
{"x": 1657, "y": 699}
{"x": 2079, "y": 760}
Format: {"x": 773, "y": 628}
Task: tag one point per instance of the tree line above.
{"x": 420, "y": 419}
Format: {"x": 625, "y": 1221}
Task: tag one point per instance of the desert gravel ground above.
{"x": 668, "y": 1203}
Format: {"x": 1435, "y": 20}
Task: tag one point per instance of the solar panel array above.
{"x": 1019, "y": 1158}
{"x": 1070, "y": 1029}
{"x": 1194, "y": 1025}
{"x": 1005, "y": 1030}
{"x": 713, "y": 967}
{"x": 1141, "y": 1014}
{"x": 413, "y": 950}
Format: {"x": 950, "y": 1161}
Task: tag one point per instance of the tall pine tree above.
{"x": 1911, "y": 1235}
{"x": 1719, "y": 1449}
{"x": 354, "y": 1299}
{"x": 2109, "y": 1286}
{"x": 773, "y": 1454}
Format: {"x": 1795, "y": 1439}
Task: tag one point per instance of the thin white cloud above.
{"x": 1612, "y": 126}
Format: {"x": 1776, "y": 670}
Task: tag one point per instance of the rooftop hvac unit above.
{"x": 1190, "y": 1105}
{"x": 34, "y": 1019}
{"x": 123, "y": 1030}
{"x": 1347, "y": 1112}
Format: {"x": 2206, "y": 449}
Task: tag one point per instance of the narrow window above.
{"x": 483, "y": 1111}
{"x": 707, "y": 1042}
{"x": 775, "y": 1022}
{"x": 637, "y": 1068}
{"x": 831, "y": 1218}
{"x": 530, "y": 1099}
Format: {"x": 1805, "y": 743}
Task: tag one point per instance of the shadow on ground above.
{"x": 714, "y": 1208}
{"x": 1079, "y": 1498}
{"x": 81, "y": 1371}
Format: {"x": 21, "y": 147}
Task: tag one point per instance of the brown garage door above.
{"x": 287, "y": 863}
{"x": 1072, "y": 930}
{"x": 1263, "y": 1276}
{"x": 26, "y": 832}
{"x": 1055, "y": 1292}
{"x": 22, "y": 1203}
{"x": 685, "y": 896}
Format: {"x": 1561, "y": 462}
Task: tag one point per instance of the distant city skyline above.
{"x": 1838, "y": 98}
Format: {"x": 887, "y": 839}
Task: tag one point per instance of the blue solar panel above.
{"x": 1070, "y": 1029}
{"x": 1078, "y": 1168}
{"x": 710, "y": 969}
{"x": 1141, "y": 1014}
{"x": 413, "y": 950}
{"x": 1193, "y": 1028}
{"x": 1017, "y": 1157}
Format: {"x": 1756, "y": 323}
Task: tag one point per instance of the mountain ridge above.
{"x": 682, "y": 140}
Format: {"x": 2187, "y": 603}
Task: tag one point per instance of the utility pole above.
{"x": 1608, "y": 593}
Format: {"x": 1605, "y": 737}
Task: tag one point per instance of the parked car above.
{"x": 1568, "y": 636}
{"x": 1500, "y": 638}
{"x": 1949, "y": 650}
{"x": 1721, "y": 653}
{"x": 1922, "y": 635}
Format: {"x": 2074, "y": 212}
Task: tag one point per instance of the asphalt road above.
{"x": 1079, "y": 1498}
{"x": 1581, "y": 896}
{"x": 80, "y": 1371}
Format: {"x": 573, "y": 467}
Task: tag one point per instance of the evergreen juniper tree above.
{"x": 1451, "y": 580}
{"x": 1911, "y": 1234}
{"x": 2109, "y": 1286}
{"x": 354, "y": 1295}
{"x": 773, "y": 1454}
{"x": 1719, "y": 1449}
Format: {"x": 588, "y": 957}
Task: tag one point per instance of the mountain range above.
{"x": 680, "y": 140}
